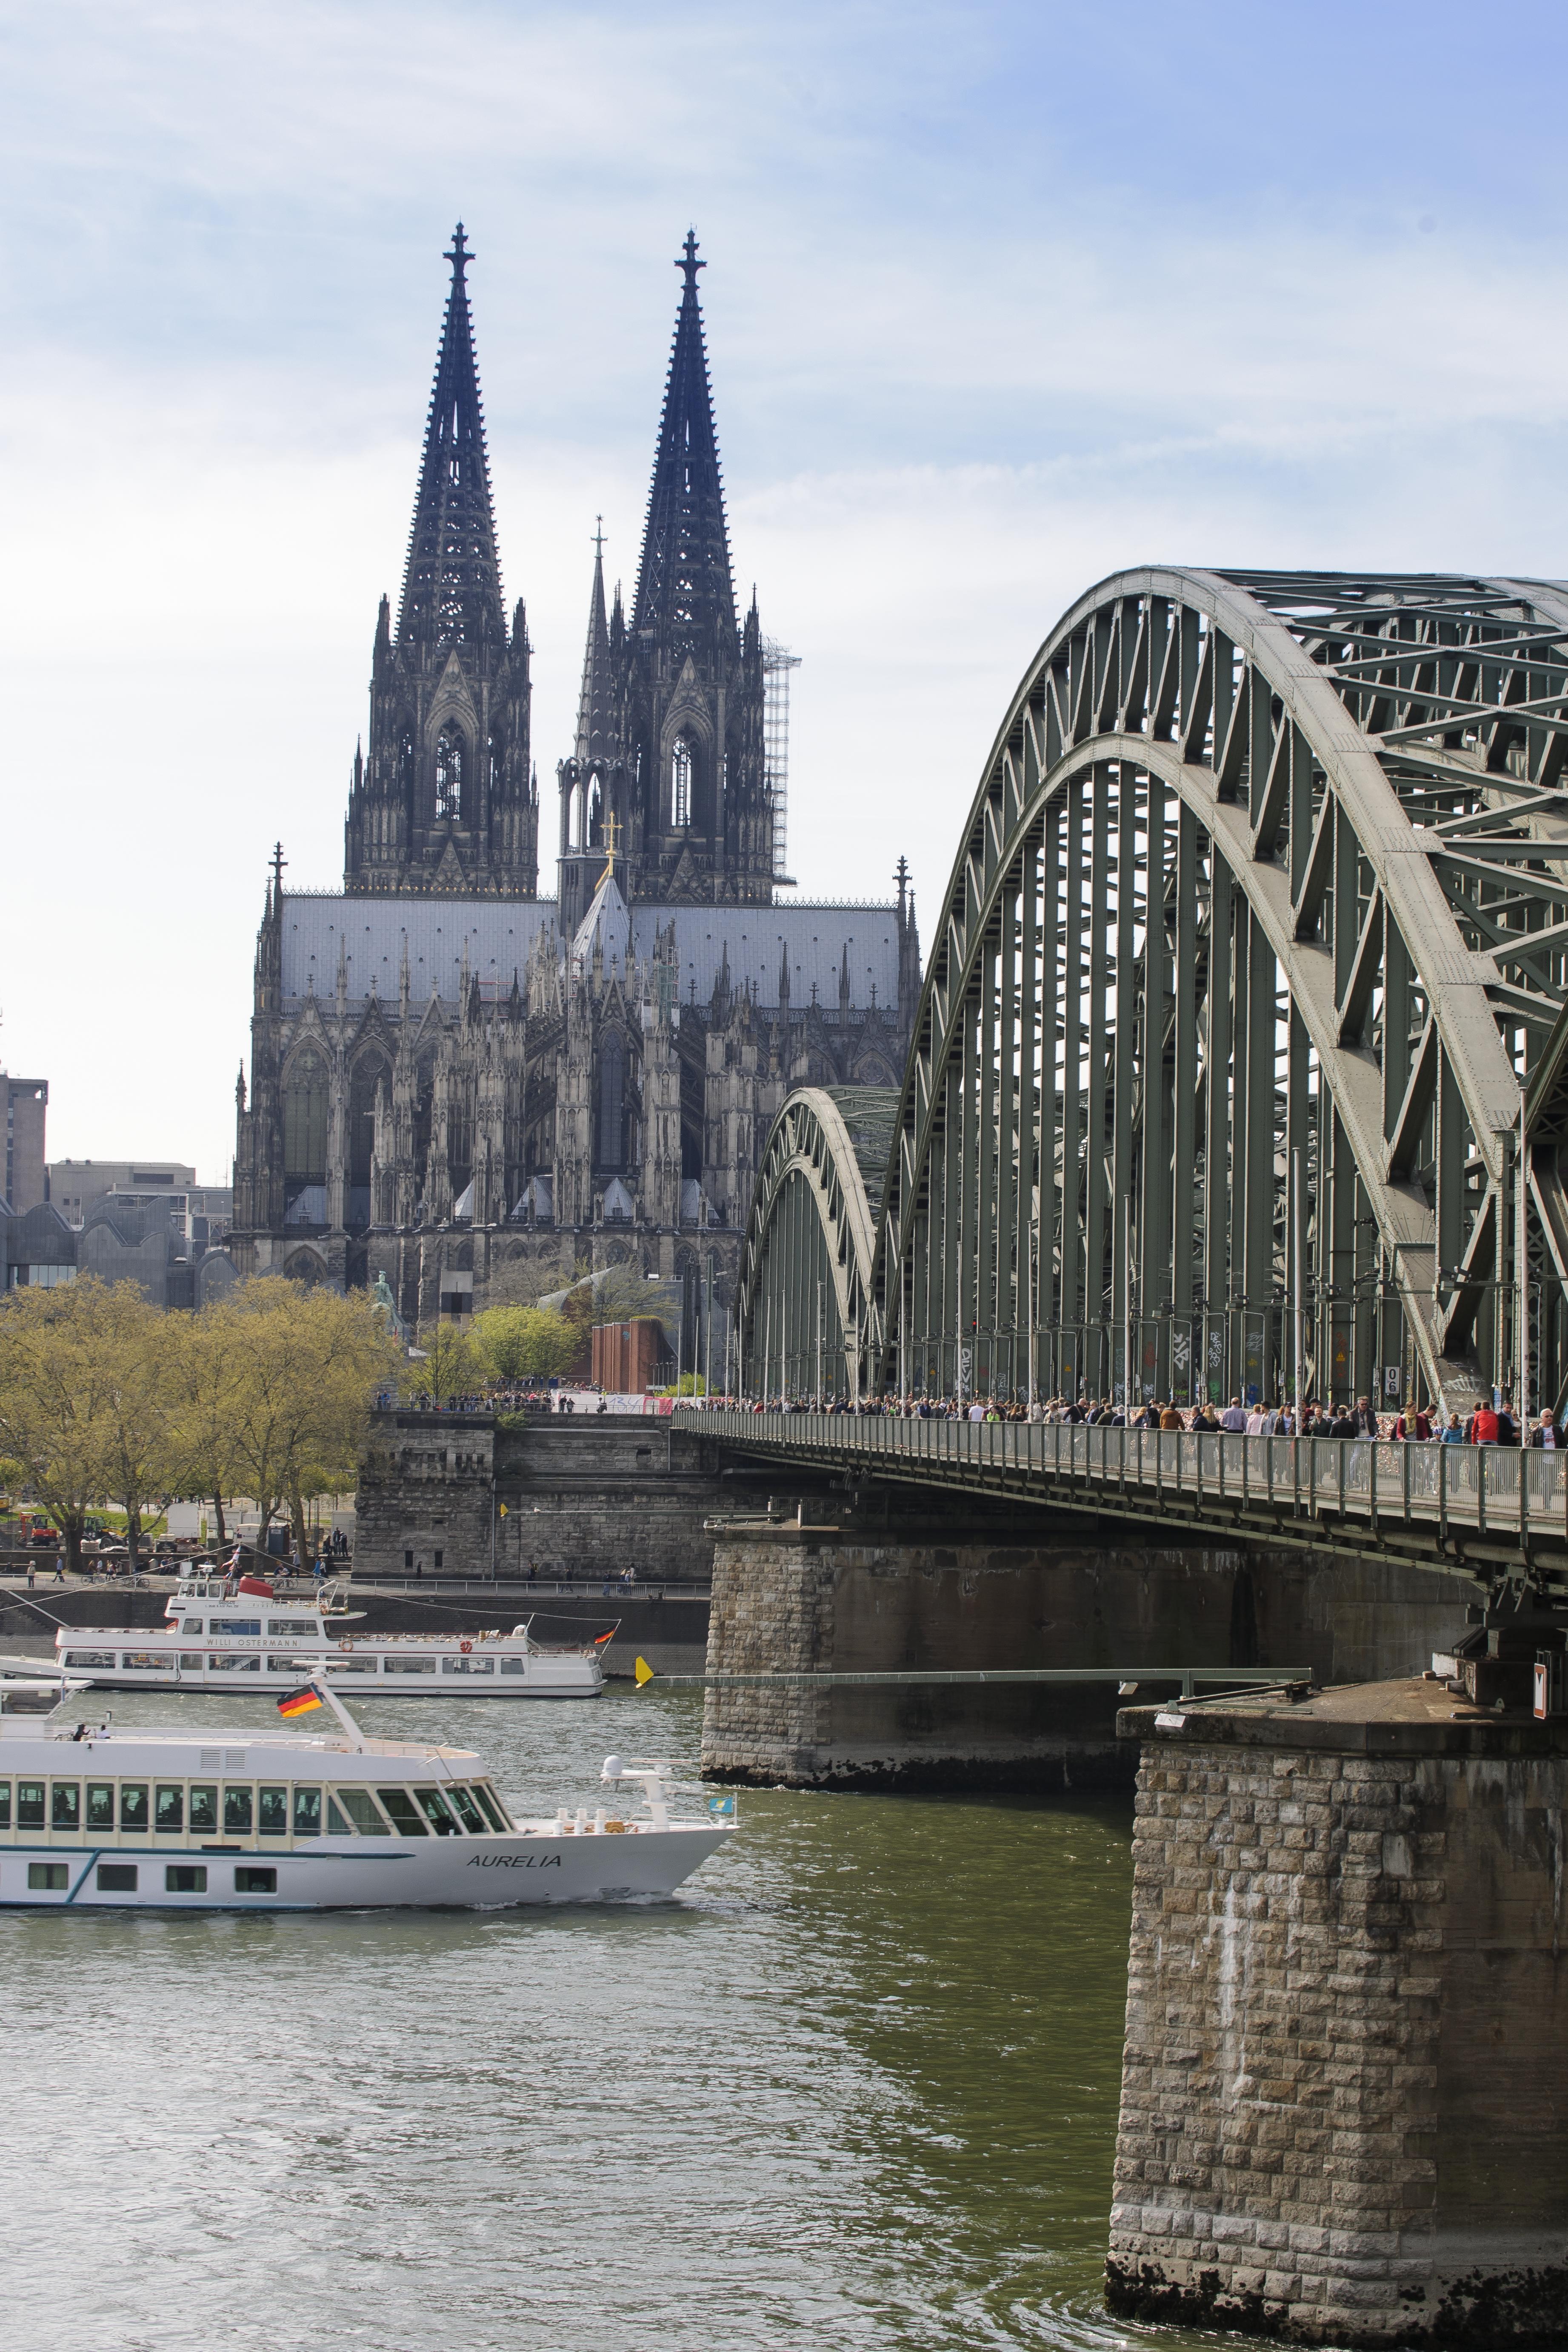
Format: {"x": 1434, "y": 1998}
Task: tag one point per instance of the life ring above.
{"x": 465, "y": 1647}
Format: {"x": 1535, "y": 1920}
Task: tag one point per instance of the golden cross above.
{"x": 612, "y": 842}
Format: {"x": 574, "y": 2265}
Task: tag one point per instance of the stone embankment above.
{"x": 1344, "y": 2104}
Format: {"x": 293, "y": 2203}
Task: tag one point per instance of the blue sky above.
{"x": 999, "y": 299}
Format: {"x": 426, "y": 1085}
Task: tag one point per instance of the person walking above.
{"x": 1233, "y": 1418}
{"x": 1547, "y": 1434}
{"x": 1455, "y": 1433}
{"x": 1484, "y": 1424}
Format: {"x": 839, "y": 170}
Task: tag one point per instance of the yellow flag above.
{"x": 644, "y": 1672}
{"x": 503, "y": 1510}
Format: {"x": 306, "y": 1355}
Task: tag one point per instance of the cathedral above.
{"x": 474, "y": 1091}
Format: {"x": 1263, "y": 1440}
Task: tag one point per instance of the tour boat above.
{"x": 222, "y": 1638}
{"x": 197, "y": 1820}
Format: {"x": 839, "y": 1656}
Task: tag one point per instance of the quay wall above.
{"x": 573, "y": 1496}
{"x": 1344, "y": 2104}
{"x": 856, "y": 1603}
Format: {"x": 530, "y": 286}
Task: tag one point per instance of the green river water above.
{"x": 854, "y": 2086}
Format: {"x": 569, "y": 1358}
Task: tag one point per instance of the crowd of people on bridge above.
{"x": 1487, "y": 1423}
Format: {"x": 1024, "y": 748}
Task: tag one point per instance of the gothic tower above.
{"x": 444, "y": 801}
{"x": 680, "y": 765}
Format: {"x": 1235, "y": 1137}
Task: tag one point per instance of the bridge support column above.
{"x": 1344, "y": 2104}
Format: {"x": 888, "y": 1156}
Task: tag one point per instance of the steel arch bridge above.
{"x": 1242, "y": 1051}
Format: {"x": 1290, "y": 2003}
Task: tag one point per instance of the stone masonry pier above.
{"x": 860, "y": 1597}
{"x": 1344, "y": 2102}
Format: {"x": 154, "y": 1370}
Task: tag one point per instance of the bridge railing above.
{"x": 1497, "y": 1490}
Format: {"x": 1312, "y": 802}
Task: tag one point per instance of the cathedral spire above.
{"x": 593, "y": 705}
{"x": 684, "y": 589}
{"x": 451, "y": 590}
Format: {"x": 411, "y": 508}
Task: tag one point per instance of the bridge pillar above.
{"x": 799, "y": 1599}
{"x": 1344, "y": 2102}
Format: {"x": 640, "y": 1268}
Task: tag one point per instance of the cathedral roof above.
{"x": 685, "y": 594}
{"x": 499, "y": 935}
{"x": 452, "y": 590}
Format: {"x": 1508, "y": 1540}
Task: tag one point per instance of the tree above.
{"x": 136, "y": 1344}
{"x": 55, "y": 1382}
{"x": 444, "y": 1367}
{"x": 207, "y": 1369}
{"x": 313, "y": 1361}
{"x": 521, "y": 1343}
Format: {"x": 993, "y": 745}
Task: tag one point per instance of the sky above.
{"x": 1000, "y": 299}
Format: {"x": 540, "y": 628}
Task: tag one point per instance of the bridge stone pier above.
{"x": 1343, "y": 2112}
{"x": 887, "y": 1588}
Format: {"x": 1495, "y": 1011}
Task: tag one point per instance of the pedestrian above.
{"x": 1547, "y": 1434}
{"x": 1170, "y": 1418}
{"x": 1233, "y": 1418}
{"x": 1455, "y": 1433}
{"x": 1484, "y": 1424}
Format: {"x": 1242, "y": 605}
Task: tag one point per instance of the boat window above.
{"x": 237, "y": 1809}
{"x": 233, "y": 1625}
{"x": 435, "y": 1812}
{"x": 186, "y": 1878}
{"x": 65, "y": 1808}
{"x": 468, "y": 1813}
{"x": 349, "y": 1666}
{"x": 191, "y": 1661}
{"x": 491, "y": 1805}
{"x": 236, "y": 1662}
{"x": 336, "y": 1824}
{"x": 116, "y": 1878}
{"x": 272, "y": 1812}
{"x": 139, "y": 1661}
{"x": 100, "y": 1804}
{"x": 286, "y": 1664}
{"x": 254, "y": 1878}
{"x": 360, "y": 1806}
{"x": 133, "y": 1807}
{"x": 89, "y": 1658}
{"x": 48, "y": 1877}
{"x": 5, "y": 1804}
{"x": 467, "y": 1666}
{"x": 188, "y": 1625}
{"x": 203, "y": 1806}
{"x": 289, "y": 1625}
{"x": 29, "y": 1805}
{"x": 409, "y": 1665}
{"x": 514, "y": 1665}
{"x": 306, "y": 1812}
{"x": 404, "y": 1820}
{"x": 169, "y": 1810}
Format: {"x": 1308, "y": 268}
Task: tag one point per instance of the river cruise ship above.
{"x": 220, "y": 1639}
{"x": 187, "y": 1819}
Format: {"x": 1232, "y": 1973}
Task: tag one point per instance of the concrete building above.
{"x": 26, "y": 1104}
{"x": 73, "y": 1185}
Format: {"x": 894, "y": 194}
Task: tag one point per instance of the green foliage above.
{"x": 446, "y": 1365}
{"x": 521, "y": 1343}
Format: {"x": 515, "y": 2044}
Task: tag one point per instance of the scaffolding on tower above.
{"x": 777, "y": 664}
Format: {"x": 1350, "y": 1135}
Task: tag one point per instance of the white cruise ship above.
{"x": 276, "y": 1820}
{"x": 218, "y": 1638}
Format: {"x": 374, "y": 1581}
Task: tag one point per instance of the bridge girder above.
{"x": 1259, "y": 919}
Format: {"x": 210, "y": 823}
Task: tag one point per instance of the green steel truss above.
{"x": 1243, "y": 1044}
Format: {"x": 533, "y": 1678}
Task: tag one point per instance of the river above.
{"x": 855, "y": 2087}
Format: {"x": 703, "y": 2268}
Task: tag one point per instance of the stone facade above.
{"x": 1343, "y": 2109}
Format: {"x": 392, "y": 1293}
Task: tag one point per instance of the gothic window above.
{"x": 449, "y": 775}
{"x": 496, "y": 749}
{"x": 612, "y": 1151}
{"x": 305, "y": 1122}
{"x": 405, "y": 762}
{"x": 681, "y": 771}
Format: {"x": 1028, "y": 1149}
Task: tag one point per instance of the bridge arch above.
{"x": 810, "y": 1243}
{"x": 1257, "y": 930}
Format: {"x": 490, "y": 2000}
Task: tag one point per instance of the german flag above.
{"x": 299, "y": 1702}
